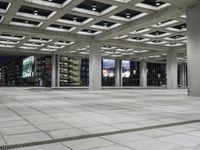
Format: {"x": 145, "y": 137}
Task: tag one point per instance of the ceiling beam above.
{"x": 72, "y": 47}
{"x": 135, "y": 45}
{"x": 181, "y": 3}
{"x": 17, "y": 51}
{"x": 61, "y": 12}
{"x": 36, "y": 32}
{"x": 15, "y": 5}
{"x": 146, "y": 21}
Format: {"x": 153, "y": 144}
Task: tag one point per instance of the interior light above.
{"x": 94, "y": 7}
{"x": 183, "y": 28}
{"x": 157, "y": 2}
{"x": 159, "y": 23}
{"x": 74, "y": 18}
{"x": 26, "y": 21}
{"x": 35, "y": 12}
{"x": 105, "y": 24}
{"x": 128, "y": 15}
{"x": 157, "y": 34}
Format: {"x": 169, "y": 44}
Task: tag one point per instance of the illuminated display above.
{"x": 28, "y": 67}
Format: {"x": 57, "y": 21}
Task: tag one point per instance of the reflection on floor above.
{"x": 39, "y": 115}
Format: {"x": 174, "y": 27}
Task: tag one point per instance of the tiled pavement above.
{"x": 38, "y": 115}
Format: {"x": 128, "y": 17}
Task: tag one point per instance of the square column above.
{"x": 183, "y": 75}
{"x": 143, "y": 74}
{"x": 172, "y": 69}
{"x": 118, "y": 73}
{"x": 58, "y": 71}
{"x": 53, "y": 71}
{"x": 95, "y": 71}
{"x": 193, "y": 49}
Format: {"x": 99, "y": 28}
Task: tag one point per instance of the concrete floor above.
{"x": 109, "y": 119}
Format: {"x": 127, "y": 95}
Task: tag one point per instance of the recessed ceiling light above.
{"x": 105, "y": 24}
{"x": 74, "y": 18}
{"x": 128, "y": 15}
{"x": 35, "y": 12}
{"x": 94, "y": 7}
{"x": 159, "y": 23}
{"x": 157, "y": 2}
{"x": 183, "y": 27}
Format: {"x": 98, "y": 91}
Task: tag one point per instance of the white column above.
{"x": 118, "y": 73}
{"x": 186, "y": 75}
{"x": 183, "y": 75}
{"x": 53, "y": 71}
{"x": 172, "y": 71}
{"x": 143, "y": 74}
{"x": 193, "y": 49}
{"x": 58, "y": 70}
{"x": 95, "y": 71}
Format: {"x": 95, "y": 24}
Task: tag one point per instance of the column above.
{"x": 95, "y": 71}
{"x": 193, "y": 49}
{"x": 58, "y": 71}
{"x": 172, "y": 71}
{"x": 183, "y": 75}
{"x": 143, "y": 74}
{"x": 186, "y": 75}
{"x": 53, "y": 71}
{"x": 118, "y": 73}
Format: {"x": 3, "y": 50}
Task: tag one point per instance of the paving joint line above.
{"x": 30, "y": 144}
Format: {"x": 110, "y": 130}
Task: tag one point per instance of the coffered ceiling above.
{"x": 134, "y": 29}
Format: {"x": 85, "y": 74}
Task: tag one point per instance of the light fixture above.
{"x": 105, "y": 24}
{"x": 172, "y": 44}
{"x": 177, "y": 36}
{"x": 35, "y": 12}
{"x": 128, "y": 14}
{"x": 183, "y": 28}
{"x": 74, "y": 18}
{"x": 157, "y": 2}
{"x": 26, "y": 21}
{"x": 159, "y": 23}
{"x": 157, "y": 34}
{"x": 94, "y": 7}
